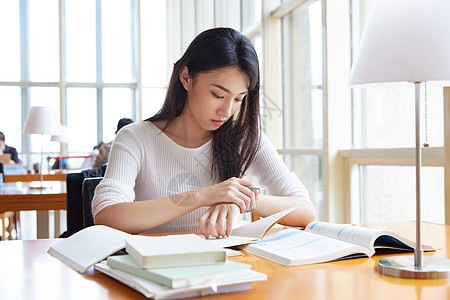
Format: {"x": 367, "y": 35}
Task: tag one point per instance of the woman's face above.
{"x": 214, "y": 97}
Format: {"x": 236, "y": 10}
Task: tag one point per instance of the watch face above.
{"x": 182, "y": 183}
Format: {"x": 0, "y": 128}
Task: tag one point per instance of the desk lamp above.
{"x": 41, "y": 120}
{"x": 407, "y": 43}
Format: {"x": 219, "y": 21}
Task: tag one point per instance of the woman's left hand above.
{"x": 218, "y": 220}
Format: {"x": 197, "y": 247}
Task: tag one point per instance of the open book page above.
{"x": 252, "y": 232}
{"x": 292, "y": 247}
{"x": 366, "y": 237}
{"x": 346, "y": 232}
{"x": 89, "y": 246}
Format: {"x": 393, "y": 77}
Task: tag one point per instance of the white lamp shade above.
{"x": 62, "y": 137}
{"x": 42, "y": 120}
{"x": 404, "y": 41}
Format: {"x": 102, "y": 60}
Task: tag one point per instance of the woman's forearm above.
{"x": 269, "y": 205}
{"x": 140, "y": 216}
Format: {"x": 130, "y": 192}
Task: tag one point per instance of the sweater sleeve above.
{"x": 273, "y": 174}
{"x": 122, "y": 171}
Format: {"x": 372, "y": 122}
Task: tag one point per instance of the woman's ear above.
{"x": 185, "y": 78}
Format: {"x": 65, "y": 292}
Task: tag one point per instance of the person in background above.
{"x": 4, "y": 149}
{"x": 105, "y": 148}
{"x": 186, "y": 168}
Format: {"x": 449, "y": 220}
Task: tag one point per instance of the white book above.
{"x": 173, "y": 250}
{"x": 322, "y": 242}
{"x": 153, "y": 290}
{"x": 89, "y": 246}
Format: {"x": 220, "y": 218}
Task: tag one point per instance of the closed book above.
{"x": 154, "y": 290}
{"x": 180, "y": 277}
{"x": 173, "y": 251}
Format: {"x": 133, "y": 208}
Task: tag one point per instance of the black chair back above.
{"x": 74, "y": 204}
{"x": 87, "y": 193}
{"x": 75, "y": 208}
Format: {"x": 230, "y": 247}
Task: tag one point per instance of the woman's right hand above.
{"x": 233, "y": 190}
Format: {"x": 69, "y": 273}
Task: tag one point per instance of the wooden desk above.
{"x": 17, "y": 196}
{"x": 36, "y": 177}
{"x": 28, "y": 272}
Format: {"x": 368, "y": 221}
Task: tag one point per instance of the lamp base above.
{"x": 403, "y": 267}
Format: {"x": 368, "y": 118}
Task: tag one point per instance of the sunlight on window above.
{"x": 82, "y": 119}
{"x": 154, "y": 44}
{"x": 116, "y": 41}
{"x": 10, "y": 124}
{"x": 44, "y": 40}
{"x": 117, "y": 104}
{"x": 9, "y": 35}
{"x": 80, "y": 37}
{"x": 152, "y": 101}
{"x": 389, "y": 194}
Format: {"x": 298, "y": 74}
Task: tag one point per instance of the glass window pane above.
{"x": 45, "y": 96}
{"x": 117, "y": 104}
{"x": 384, "y": 118}
{"x": 10, "y": 37}
{"x": 82, "y": 119}
{"x": 389, "y": 194}
{"x": 80, "y": 37}
{"x": 308, "y": 170}
{"x": 44, "y": 40}
{"x": 251, "y": 14}
{"x": 10, "y": 123}
{"x": 303, "y": 99}
{"x": 116, "y": 41}
{"x": 154, "y": 43}
{"x": 152, "y": 101}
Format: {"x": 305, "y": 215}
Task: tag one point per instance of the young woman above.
{"x": 186, "y": 169}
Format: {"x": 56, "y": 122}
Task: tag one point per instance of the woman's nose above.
{"x": 226, "y": 108}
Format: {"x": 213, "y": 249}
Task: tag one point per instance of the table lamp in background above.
{"x": 42, "y": 120}
{"x": 407, "y": 43}
{"x": 62, "y": 137}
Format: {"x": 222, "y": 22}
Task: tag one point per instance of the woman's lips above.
{"x": 218, "y": 122}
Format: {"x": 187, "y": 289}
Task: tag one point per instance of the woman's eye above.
{"x": 238, "y": 100}
{"x": 217, "y": 96}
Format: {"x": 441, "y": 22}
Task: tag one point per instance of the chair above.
{"x": 75, "y": 209}
{"x": 87, "y": 193}
{"x": 13, "y": 217}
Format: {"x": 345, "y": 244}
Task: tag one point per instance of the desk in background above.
{"x": 35, "y": 177}
{"x": 17, "y": 196}
{"x": 34, "y": 274}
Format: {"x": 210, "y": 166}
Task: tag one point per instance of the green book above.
{"x": 179, "y": 277}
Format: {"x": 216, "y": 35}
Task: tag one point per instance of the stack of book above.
{"x": 172, "y": 266}
{"x": 178, "y": 266}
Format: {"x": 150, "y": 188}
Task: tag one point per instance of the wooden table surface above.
{"x": 28, "y": 272}
{"x": 59, "y": 176}
{"x": 17, "y": 196}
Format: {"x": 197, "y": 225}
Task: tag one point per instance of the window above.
{"x": 384, "y": 118}
{"x": 89, "y": 60}
{"x": 303, "y": 96}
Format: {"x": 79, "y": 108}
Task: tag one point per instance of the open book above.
{"x": 251, "y": 232}
{"x": 95, "y": 243}
{"x": 323, "y": 242}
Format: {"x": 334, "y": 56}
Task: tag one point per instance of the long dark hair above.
{"x": 235, "y": 142}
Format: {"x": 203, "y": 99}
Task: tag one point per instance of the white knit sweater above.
{"x": 146, "y": 164}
